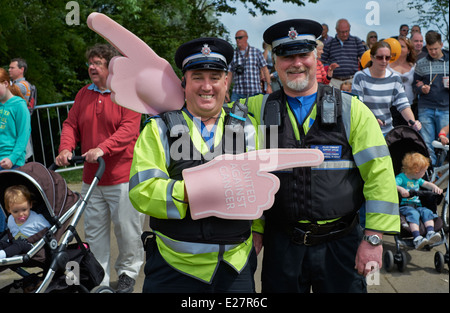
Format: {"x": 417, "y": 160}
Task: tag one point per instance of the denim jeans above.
{"x": 414, "y": 215}
{"x": 432, "y": 122}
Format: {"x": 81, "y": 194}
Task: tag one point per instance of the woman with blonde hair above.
{"x": 371, "y": 39}
{"x": 404, "y": 67}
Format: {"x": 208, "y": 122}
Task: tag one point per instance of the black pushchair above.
{"x": 402, "y": 140}
{"x": 66, "y": 266}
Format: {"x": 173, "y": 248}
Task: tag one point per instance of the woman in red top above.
{"x": 323, "y": 73}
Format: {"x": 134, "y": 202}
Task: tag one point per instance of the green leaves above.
{"x": 36, "y": 30}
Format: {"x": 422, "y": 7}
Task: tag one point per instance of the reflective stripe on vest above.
{"x": 335, "y": 165}
{"x": 382, "y": 207}
{"x": 194, "y": 247}
{"x": 370, "y": 154}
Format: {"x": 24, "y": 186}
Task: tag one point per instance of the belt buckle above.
{"x": 305, "y": 238}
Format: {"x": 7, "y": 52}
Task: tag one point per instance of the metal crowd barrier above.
{"x": 45, "y": 133}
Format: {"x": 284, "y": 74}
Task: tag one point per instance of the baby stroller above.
{"x": 65, "y": 267}
{"x": 401, "y": 140}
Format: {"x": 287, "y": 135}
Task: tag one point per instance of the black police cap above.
{"x": 293, "y": 36}
{"x": 204, "y": 53}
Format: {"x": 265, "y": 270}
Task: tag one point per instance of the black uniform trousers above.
{"x": 324, "y": 268}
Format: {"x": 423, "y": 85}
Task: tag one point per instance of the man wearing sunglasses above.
{"x": 246, "y": 70}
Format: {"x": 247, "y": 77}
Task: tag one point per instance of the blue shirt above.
{"x": 409, "y": 184}
{"x": 301, "y": 106}
{"x": 208, "y": 136}
{"x": 95, "y": 88}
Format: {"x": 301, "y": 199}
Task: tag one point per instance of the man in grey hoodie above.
{"x": 431, "y": 86}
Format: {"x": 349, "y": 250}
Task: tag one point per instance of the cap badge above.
{"x": 292, "y": 33}
{"x": 206, "y": 50}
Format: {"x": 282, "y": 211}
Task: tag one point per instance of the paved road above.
{"x": 419, "y": 276}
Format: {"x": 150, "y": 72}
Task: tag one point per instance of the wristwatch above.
{"x": 374, "y": 240}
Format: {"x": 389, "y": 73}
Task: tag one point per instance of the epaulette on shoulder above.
{"x": 351, "y": 94}
{"x": 150, "y": 118}
{"x": 175, "y": 122}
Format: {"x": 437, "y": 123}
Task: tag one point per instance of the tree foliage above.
{"x": 432, "y": 14}
{"x": 37, "y": 31}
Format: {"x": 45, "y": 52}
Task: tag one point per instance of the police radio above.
{"x": 328, "y": 105}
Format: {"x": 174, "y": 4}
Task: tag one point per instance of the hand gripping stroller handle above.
{"x": 101, "y": 168}
{"x": 76, "y": 159}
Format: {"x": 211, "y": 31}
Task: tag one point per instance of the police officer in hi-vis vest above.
{"x": 312, "y": 237}
{"x": 185, "y": 255}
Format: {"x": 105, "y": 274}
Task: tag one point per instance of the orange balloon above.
{"x": 365, "y": 58}
{"x": 396, "y": 48}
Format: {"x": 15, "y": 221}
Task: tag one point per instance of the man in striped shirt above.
{"x": 345, "y": 50}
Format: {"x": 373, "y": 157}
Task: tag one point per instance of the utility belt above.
{"x": 311, "y": 234}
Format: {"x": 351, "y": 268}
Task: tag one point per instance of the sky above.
{"x": 364, "y": 15}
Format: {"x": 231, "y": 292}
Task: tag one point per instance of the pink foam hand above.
{"x": 239, "y": 186}
{"x": 139, "y": 80}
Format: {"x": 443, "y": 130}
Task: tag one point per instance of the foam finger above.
{"x": 281, "y": 159}
{"x": 121, "y": 38}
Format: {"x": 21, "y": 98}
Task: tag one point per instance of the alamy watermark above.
{"x": 373, "y": 278}
{"x": 73, "y": 17}
{"x": 72, "y": 273}
{"x": 373, "y": 16}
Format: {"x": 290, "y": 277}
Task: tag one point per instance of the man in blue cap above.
{"x": 312, "y": 237}
{"x": 186, "y": 255}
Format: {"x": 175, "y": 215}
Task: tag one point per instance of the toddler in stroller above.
{"x": 66, "y": 266}
{"x": 409, "y": 182}
{"x": 23, "y": 223}
{"x": 403, "y": 140}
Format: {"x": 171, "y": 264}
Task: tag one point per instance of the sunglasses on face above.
{"x": 239, "y": 37}
{"x": 382, "y": 57}
{"x": 373, "y": 36}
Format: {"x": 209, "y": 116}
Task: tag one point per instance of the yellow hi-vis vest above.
{"x": 370, "y": 153}
{"x": 155, "y": 193}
